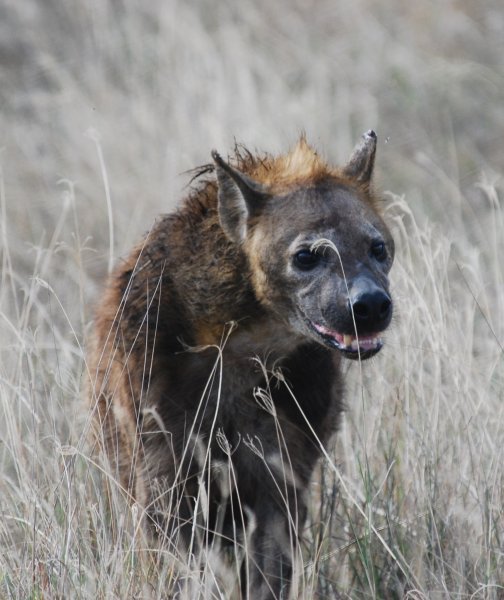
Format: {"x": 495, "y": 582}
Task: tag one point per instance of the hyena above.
{"x": 217, "y": 349}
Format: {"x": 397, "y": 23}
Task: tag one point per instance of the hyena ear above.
{"x": 361, "y": 163}
{"x": 240, "y": 198}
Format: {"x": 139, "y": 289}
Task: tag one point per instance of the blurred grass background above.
{"x": 104, "y": 104}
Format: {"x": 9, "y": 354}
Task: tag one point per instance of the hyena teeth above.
{"x": 347, "y": 339}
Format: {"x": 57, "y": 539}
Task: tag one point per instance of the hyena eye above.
{"x": 379, "y": 251}
{"x": 306, "y": 259}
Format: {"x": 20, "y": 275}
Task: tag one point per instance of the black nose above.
{"x": 371, "y": 306}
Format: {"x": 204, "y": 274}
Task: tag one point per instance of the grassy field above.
{"x": 103, "y": 106}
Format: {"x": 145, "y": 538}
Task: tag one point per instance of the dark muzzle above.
{"x": 370, "y": 304}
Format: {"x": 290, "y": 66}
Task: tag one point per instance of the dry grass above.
{"x": 103, "y": 105}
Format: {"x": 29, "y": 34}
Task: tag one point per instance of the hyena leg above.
{"x": 274, "y": 550}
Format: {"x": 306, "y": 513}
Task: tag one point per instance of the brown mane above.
{"x": 301, "y": 165}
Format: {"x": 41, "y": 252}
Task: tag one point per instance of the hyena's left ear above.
{"x": 361, "y": 163}
{"x": 240, "y": 198}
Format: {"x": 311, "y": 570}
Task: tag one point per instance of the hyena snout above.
{"x": 370, "y": 304}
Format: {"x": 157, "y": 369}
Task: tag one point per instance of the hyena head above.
{"x": 318, "y": 250}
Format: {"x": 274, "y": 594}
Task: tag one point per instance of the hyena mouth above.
{"x": 350, "y": 345}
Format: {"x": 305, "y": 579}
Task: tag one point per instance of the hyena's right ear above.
{"x": 361, "y": 164}
{"x": 240, "y": 198}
